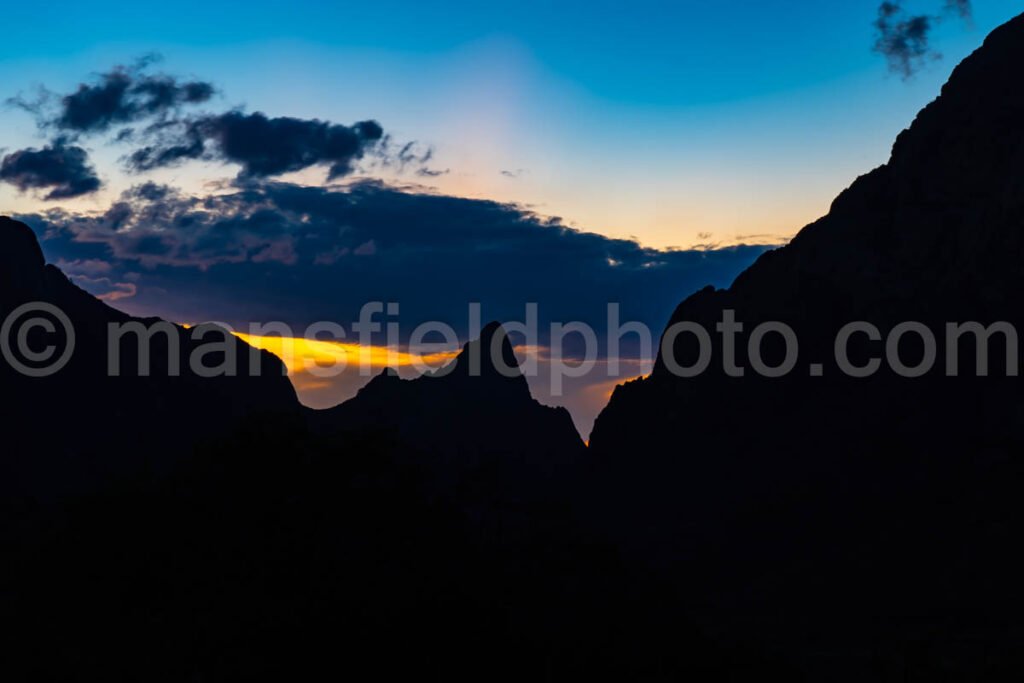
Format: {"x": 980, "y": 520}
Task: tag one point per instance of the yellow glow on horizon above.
{"x": 300, "y": 355}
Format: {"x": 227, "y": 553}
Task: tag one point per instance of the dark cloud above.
{"x": 261, "y": 145}
{"x": 960, "y": 7}
{"x": 62, "y": 169}
{"x": 278, "y": 251}
{"x": 170, "y": 143}
{"x": 905, "y": 40}
{"x": 405, "y": 156}
{"x": 122, "y": 95}
{"x": 134, "y": 107}
{"x": 105, "y": 289}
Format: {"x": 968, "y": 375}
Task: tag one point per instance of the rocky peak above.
{"x": 21, "y": 261}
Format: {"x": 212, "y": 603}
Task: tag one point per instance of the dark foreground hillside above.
{"x": 272, "y": 557}
{"x": 857, "y": 519}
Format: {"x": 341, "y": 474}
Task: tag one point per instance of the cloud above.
{"x": 960, "y": 7}
{"x": 120, "y": 96}
{"x": 261, "y": 145}
{"x": 86, "y": 267}
{"x": 297, "y": 254}
{"x": 902, "y": 40}
{"x": 62, "y": 169}
{"x": 401, "y": 157}
{"x": 105, "y": 289}
{"x": 905, "y": 40}
{"x": 155, "y": 225}
{"x": 147, "y": 112}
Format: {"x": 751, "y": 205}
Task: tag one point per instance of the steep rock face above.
{"x": 936, "y": 235}
{"x": 81, "y": 426}
{"x": 818, "y": 482}
{"x": 21, "y": 261}
{"x": 473, "y": 419}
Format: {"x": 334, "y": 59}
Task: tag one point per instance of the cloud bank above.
{"x": 299, "y": 254}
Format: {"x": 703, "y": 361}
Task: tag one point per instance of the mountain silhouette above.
{"x": 836, "y": 499}
{"x": 82, "y": 426}
{"x": 191, "y": 528}
{"x": 475, "y": 416}
{"x": 473, "y": 421}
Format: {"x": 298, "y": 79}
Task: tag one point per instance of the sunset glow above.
{"x": 312, "y": 356}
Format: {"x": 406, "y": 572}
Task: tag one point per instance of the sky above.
{"x": 571, "y": 153}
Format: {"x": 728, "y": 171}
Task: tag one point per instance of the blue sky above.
{"x": 677, "y": 123}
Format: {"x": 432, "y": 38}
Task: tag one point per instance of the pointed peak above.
{"x": 493, "y": 334}
{"x": 22, "y": 266}
{"x": 19, "y": 244}
{"x": 491, "y": 329}
{"x": 382, "y": 383}
{"x": 490, "y": 354}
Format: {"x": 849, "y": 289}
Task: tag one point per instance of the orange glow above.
{"x": 300, "y": 355}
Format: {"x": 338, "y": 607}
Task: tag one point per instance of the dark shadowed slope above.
{"x": 80, "y": 426}
{"x": 475, "y": 418}
{"x": 843, "y": 496}
{"x": 936, "y": 235}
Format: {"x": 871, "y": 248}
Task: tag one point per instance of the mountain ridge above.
{"x": 470, "y": 402}
{"x": 769, "y": 494}
{"x": 474, "y": 416}
{"x": 916, "y": 232}
{"x": 112, "y": 427}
